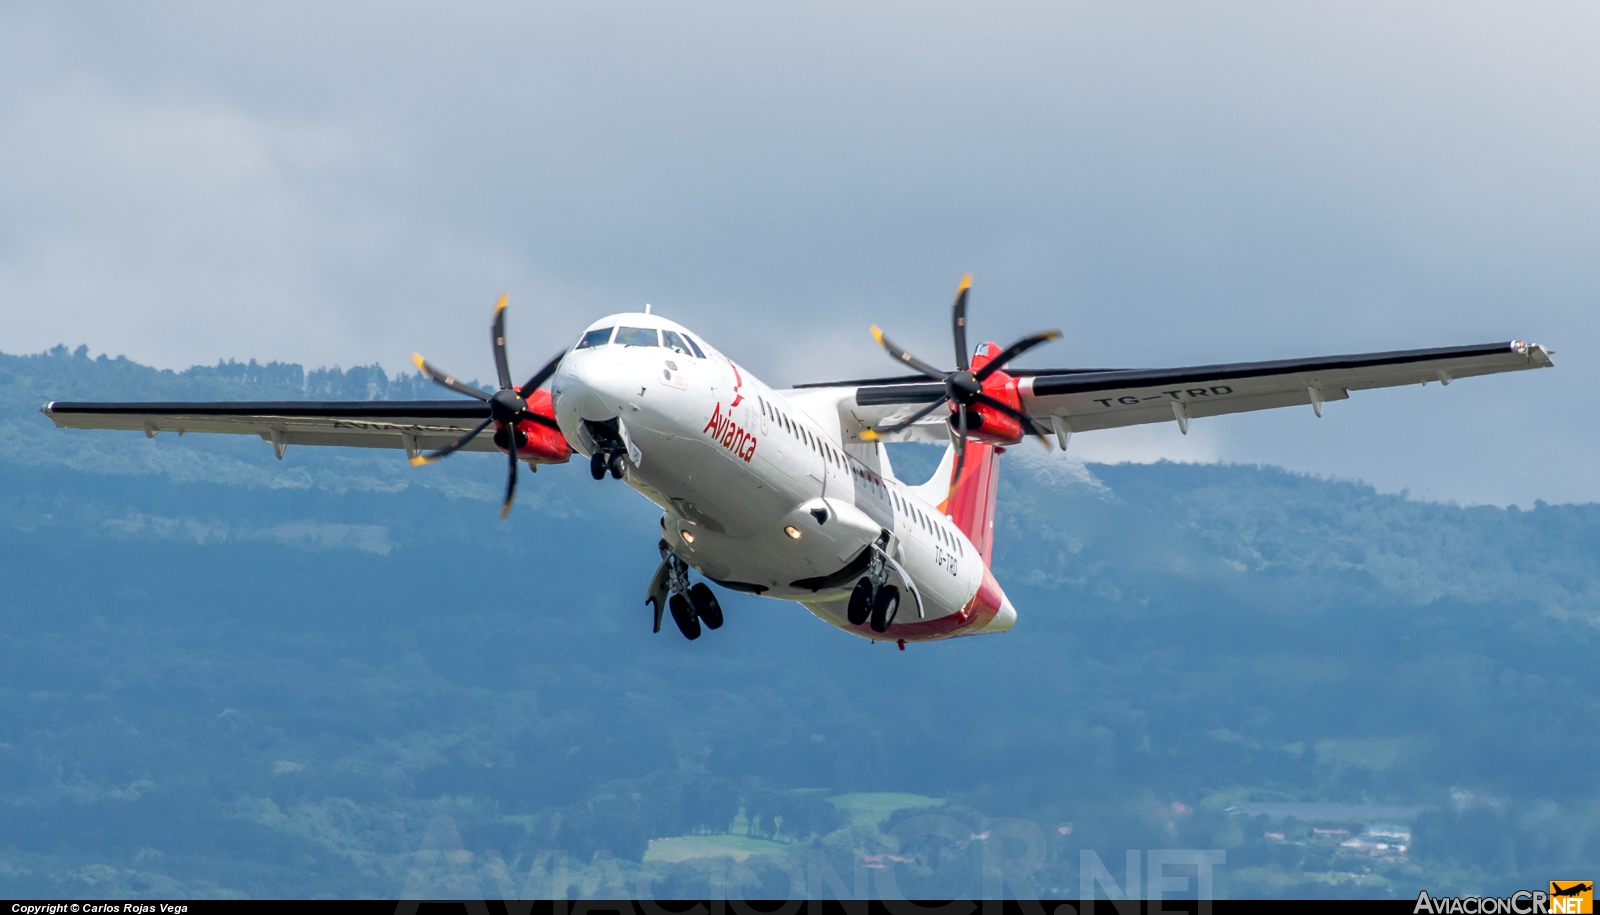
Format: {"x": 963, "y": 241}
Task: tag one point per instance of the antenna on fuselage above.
{"x": 647, "y": 308}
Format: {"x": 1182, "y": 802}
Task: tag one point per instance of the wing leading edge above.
{"x": 1081, "y": 401}
{"x": 414, "y": 426}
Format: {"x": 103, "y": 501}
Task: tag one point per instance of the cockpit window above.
{"x": 600, "y": 336}
{"x": 694, "y": 346}
{"x": 674, "y": 342}
{"x": 637, "y": 336}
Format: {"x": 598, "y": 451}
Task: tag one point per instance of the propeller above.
{"x": 964, "y": 387}
{"x": 507, "y": 406}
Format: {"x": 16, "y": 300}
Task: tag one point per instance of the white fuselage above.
{"x": 740, "y": 469}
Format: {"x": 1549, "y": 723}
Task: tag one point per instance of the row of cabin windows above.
{"x": 800, "y": 432}
{"x": 927, "y": 523}
{"x": 641, "y": 336}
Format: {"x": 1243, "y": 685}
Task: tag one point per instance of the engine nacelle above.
{"x": 986, "y": 424}
{"x": 536, "y": 442}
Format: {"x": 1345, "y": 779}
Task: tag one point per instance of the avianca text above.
{"x": 733, "y": 437}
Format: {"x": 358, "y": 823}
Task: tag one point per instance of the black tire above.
{"x": 617, "y": 466}
{"x": 683, "y": 615}
{"x": 860, "y": 603}
{"x": 597, "y": 466}
{"x": 706, "y": 606}
{"x": 885, "y": 608}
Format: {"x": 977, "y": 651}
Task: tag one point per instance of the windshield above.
{"x": 672, "y": 341}
{"x": 597, "y": 337}
{"x": 637, "y": 336}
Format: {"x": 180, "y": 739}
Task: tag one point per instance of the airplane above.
{"x": 790, "y": 494}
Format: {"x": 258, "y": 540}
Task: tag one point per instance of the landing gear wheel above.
{"x": 885, "y": 608}
{"x": 617, "y": 466}
{"x": 706, "y": 606}
{"x": 860, "y": 603}
{"x": 683, "y": 615}
{"x": 597, "y": 466}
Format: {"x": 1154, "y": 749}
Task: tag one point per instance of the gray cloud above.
{"x": 1168, "y": 183}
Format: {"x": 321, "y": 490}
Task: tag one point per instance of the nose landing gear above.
{"x": 611, "y": 448}
{"x": 603, "y": 461}
{"x": 690, "y": 606}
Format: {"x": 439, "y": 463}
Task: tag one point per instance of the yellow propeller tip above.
{"x": 1052, "y": 335}
{"x": 877, "y": 334}
{"x": 418, "y": 461}
{"x": 505, "y": 511}
{"x": 417, "y": 358}
{"x": 966, "y": 283}
{"x": 502, "y": 305}
{"x": 867, "y": 435}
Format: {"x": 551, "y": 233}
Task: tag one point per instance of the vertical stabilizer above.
{"x": 970, "y": 500}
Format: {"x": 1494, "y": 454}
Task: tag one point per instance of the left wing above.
{"x": 1080, "y": 401}
{"x": 413, "y": 425}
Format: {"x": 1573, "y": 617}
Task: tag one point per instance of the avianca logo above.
{"x": 738, "y": 382}
{"x": 733, "y": 437}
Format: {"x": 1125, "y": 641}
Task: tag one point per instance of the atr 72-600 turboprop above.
{"x": 790, "y": 494}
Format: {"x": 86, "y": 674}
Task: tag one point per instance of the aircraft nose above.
{"x": 595, "y": 385}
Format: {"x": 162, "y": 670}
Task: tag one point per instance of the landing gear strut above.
{"x": 690, "y": 606}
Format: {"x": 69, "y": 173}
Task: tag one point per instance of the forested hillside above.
{"x": 229, "y": 675}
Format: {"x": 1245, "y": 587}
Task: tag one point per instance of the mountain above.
{"x": 230, "y": 675}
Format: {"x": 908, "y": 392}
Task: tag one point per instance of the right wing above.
{"x": 1078, "y": 400}
{"x": 412, "y": 425}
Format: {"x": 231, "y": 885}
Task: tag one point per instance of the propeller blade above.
{"x": 907, "y": 423}
{"x": 906, "y": 357}
{"x": 959, "y": 323}
{"x": 1016, "y": 349}
{"x": 448, "y": 381}
{"x": 511, "y": 477}
{"x": 501, "y": 367}
{"x": 541, "y": 376}
{"x": 1027, "y": 421}
{"x": 451, "y": 448}
{"x": 961, "y": 447}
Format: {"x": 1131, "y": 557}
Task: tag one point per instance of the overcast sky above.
{"x": 1168, "y": 183}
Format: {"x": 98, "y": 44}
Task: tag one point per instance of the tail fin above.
{"x": 970, "y": 500}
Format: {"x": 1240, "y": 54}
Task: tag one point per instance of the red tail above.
{"x": 971, "y": 501}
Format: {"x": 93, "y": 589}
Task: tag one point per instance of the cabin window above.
{"x": 637, "y": 336}
{"x": 694, "y": 346}
{"x": 674, "y": 342}
{"x": 600, "y": 336}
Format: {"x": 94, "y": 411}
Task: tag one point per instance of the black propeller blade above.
{"x": 964, "y": 387}
{"x": 507, "y": 406}
{"x": 958, "y": 323}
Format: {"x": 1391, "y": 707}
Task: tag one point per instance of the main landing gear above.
{"x": 873, "y": 601}
{"x": 690, "y": 606}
